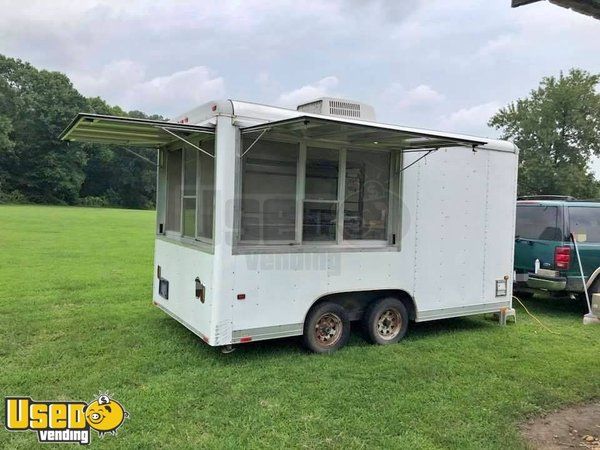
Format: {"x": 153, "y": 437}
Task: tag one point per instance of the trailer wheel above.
{"x": 386, "y": 321}
{"x": 327, "y": 328}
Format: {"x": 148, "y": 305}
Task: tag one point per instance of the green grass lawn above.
{"x": 76, "y": 318}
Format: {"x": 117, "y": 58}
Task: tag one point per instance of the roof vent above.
{"x": 339, "y": 107}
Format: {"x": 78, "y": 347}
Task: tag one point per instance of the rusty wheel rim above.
{"x": 389, "y": 324}
{"x": 328, "y": 329}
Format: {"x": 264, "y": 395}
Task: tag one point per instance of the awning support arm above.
{"x": 186, "y": 141}
{"x": 255, "y": 141}
{"x": 141, "y": 156}
{"x": 418, "y": 159}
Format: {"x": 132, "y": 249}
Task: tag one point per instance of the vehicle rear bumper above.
{"x": 535, "y": 281}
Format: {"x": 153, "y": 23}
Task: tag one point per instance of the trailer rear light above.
{"x": 562, "y": 257}
{"x": 245, "y": 339}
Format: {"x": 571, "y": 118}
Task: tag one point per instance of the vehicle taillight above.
{"x": 562, "y": 258}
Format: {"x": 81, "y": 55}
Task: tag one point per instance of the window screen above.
{"x": 320, "y": 195}
{"x": 189, "y": 192}
{"x": 173, "y": 220}
{"x": 584, "y": 223}
{"x": 366, "y": 200}
{"x": 270, "y": 188}
{"x": 538, "y": 222}
{"x": 269, "y": 191}
{"x": 206, "y": 190}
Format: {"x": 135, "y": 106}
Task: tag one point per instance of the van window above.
{"x": 269, "y": 192}
{"x": 538, "y": 222}
{"x": 584, "y": 223}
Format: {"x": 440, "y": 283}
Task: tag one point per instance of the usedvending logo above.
{"x": 64, "y": 421}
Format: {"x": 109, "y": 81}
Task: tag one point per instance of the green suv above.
{"x": 545, "y": 258}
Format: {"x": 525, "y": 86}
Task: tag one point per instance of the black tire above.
{"x": 386, "y": 321}
{"x": 326, "y": 328}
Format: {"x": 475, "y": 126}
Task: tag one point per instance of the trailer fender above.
{"x": 356, "y": 301}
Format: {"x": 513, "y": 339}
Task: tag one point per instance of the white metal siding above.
{"x": 181, "y": 265}
{"x": 450, "y": 228}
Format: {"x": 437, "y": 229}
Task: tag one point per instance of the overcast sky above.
{"x": 443, "y": 64}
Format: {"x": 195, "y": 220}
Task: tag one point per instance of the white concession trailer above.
{"x": 274, "y": 222}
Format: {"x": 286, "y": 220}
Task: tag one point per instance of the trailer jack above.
{"x": 226, "y": 349}
{"x": 505, "y": 313}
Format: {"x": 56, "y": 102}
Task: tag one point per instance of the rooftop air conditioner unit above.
{"x": 339, "y": 107}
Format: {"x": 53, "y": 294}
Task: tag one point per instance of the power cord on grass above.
{"x": 535, "y": 318}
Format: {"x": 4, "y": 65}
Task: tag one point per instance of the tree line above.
{"x": 557, "y": 128}
{"x": 36, "y": 167}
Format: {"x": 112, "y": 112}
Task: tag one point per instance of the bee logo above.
{"x": 105, "y": 415}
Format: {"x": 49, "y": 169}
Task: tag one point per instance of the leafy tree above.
{"x": 6, "y": 144}
{"x": 35, "y": 106}
{"x": 39, "y": 104}
{"x": 115, "y": 174}
{"x": 557, "y": 129}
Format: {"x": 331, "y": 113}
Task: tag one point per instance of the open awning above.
{"x": 359, "y": 133}
{"x": 128, "y": 131}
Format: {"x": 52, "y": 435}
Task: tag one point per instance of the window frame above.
{"x": 338, "y": 202}
{"x": 393, "y": 176}
{"x": 238, "y": 201}
{"x": 394, "y": 218}
{"x": 167, "y": 232}
{"x": 184, "y": 154}
{"x": 178, "y": 236}
{"x": 198, "y": 238}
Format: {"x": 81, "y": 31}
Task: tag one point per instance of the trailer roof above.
{"x": 256, "y": 117}
{"x": 349, "y": 132}
{"x": 129, "y": 131}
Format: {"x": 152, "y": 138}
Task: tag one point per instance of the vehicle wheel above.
{"x": 327, "y": 328}
{"x": 386, "y": 321}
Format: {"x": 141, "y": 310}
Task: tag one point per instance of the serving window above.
{"x": 367, "y": 195}
{"x": 269, "y": 179}
{"x": 321, "y": 195}
{"x": 190, "y": 192}
{"x": 295, "y": 193}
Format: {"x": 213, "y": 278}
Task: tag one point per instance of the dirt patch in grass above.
{"x": 574, "y": 427}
